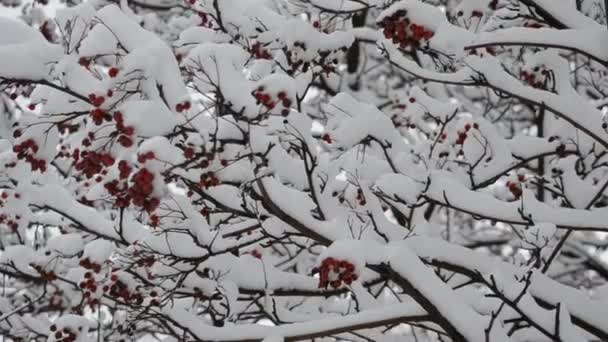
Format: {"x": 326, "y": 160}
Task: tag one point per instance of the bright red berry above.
{"x": 113, "y": 72}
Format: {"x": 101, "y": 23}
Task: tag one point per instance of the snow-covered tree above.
{"x": 286, "y": 170}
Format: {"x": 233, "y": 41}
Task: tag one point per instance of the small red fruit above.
{"x": 113, "y": 72}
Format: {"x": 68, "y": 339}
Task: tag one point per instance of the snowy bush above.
{"x": 269, "y": 170}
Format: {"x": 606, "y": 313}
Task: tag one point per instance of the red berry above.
{"x": 129, "y": 130}
{"x": 113, "y": 72}
{"x": 85, "y": 62}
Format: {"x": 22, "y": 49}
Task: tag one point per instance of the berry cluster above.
{"x": 209, "y": 179}
{"x": 183, "y": 106}
{"x": 463, "y": 134}
{"x": 125, "y": 133}
{"x": 536, "y": 78}
{"x": 403, "y": 32}
{"x": 98, "y": 115}
{"x": 44, "y": 274}
{"x": 89, "y": 286}
{"x": 327, "y": 60}
{"x": 515, "y": 185}
{"x": 270, "y": 103}
{"x": 258, "y": 51}
{"x": 146, "y": 261}
{"x": 65, "y": 335}
{"x": 95, "y": 100}
{"x": 334, "y": 272}
{"x": 85, "y": 62}
{"x": 189, "y": 152}
{"x": 143, "y": 157}
{"x": 86, "y": 263}
{"x": 327, "y": 138}
{"x": 92, "y": 163}
{"x": 27, "y": 150}
{"x": 255, "y": 253}
{"x": 198, "y": 293}
{"x": 140, "y": 192}
{"x": 119, "y": 187}
{"x": 9, "y": 222}
{"x": 204, "y": 18}
{"x": 118, "y": 289}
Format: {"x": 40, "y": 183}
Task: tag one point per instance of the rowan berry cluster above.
{"x": 143, "y": 157}
{"x": 270, "y": 102}
{"x": 205, "y": 21}
{"x": 92, "y": 163}
{"x": 327, "y": 59}
{"x": 89, "y": 286}
{"x": 515, "y": 185}
{"x": 258, "y": 51}
{"x": 96, "y": 100}
{"x": 334, "y": 273}
{"x": 119, "y": 289}
{"x": 9, "y": 222}
{"x": 255, "y": 253}
{"x": 85, "y": 62}
{"x": 536, "y": 78}
{"x": 140, "y": 192}
{"x": 119, "y": 187}
{"x": 44, "y": 274}
{"x": 403, "y": 31}
{"x": 125, "y": 133}
{"x": 464, "y": 133}
{"x": 327, "y": 138}
{"x": 183, "y": 106}
{"x": 65, "y": 335}
{"x": 209, "y": 179}
{"x": 27, "y": 150}
{"x": 86, "y": 263}
{"x": 8, "y": 219}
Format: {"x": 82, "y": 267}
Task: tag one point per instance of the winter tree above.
{"x": 291, "y": 170}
